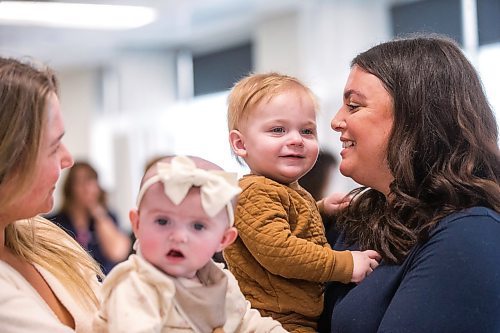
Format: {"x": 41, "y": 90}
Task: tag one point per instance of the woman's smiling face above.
{"x": 53, "y": 156}
{"x": 365, "y": 122}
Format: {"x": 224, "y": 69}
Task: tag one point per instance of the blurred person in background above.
{"x": 86, "y": 217}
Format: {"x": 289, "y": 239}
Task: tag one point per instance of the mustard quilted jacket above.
{"x": 281, "y": 258}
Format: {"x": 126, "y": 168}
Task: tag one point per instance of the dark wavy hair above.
{"x": 442, "y": 151}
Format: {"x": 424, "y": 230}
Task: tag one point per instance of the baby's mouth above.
{"x": 293, "y": 156}
{"x": 175, "y": 254}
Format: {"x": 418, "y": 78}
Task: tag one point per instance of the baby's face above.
{"x": 181, "y": 239}
{"x": 280, "y": 138}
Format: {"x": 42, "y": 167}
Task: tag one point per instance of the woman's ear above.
{"x": 237, "y": 141}
{"x": 133, "y": 215}
{"x": 228, "y": 238}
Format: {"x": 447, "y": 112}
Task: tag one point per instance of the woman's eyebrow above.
{"x": 58, "y": 139}
{"x": 350, "y": 92}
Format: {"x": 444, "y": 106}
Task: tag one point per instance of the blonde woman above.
{"x": 47, "y": 281}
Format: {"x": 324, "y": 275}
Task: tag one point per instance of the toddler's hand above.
{"x": 364, "y": 263}
{"x": 335, "y": 202}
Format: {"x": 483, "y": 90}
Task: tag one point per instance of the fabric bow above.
{"x": 217, "y": 187}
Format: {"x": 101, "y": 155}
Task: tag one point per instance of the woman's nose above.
{"x": 338, "y": 122}
{"x": 67, "y": 159}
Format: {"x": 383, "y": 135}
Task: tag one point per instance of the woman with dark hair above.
{"x": 85, "y": 216}
{"x": 418, "y": 133}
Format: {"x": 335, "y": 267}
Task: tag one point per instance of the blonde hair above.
{"x": 40, "y": 241}
{"x": 254, "y": 88}
{"x": 24, "y": 92}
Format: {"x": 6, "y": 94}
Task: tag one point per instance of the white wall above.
{"x": 277, "y": 45}
{"x": 489, "y": 70}
{"x": 110, "y": 115}
{"x": 78, "y": 97}
{"x": 122, "y": 114}
{"x": 332, "y": 33}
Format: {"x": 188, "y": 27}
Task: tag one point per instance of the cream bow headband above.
{"x": 217, "y": 187}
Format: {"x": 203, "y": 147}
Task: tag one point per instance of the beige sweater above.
{"x": 281, "y": 258}
{"x": 22, "y": 309}
{"x": 137, "y": 297}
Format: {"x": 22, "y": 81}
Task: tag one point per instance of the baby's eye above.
{"x": 308, "y": 131}
{"x": 199, "y": 226}
{"x": 162, "y": 221}
{"x": 278, "y": 130}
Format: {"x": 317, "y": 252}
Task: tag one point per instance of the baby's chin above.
{"x": 191, "y": 277}
{"x": 178, "y": 272}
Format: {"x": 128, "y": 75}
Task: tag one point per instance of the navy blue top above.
{"x": 451, "y": 283}
{"x": 89, "y": 241}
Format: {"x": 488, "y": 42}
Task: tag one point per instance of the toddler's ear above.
{"x": 237, "y": 141}
{"x": 133, "y": 215}
{"x": 228, "y": 238}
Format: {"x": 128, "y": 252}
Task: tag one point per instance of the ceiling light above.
{"x": 75, "y": 15}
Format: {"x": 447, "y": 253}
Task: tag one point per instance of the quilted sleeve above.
{"x": 264, "y": 229}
